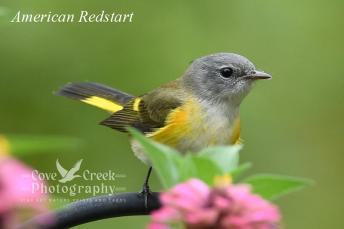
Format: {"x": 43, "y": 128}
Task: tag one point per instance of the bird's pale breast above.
{"x": 194, "y": 126}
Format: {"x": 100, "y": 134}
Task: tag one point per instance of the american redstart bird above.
{"x": 197, "y": 110}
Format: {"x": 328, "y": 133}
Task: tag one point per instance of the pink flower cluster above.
{"x": 17, "y": 198}
{"x": 197, "y": 206}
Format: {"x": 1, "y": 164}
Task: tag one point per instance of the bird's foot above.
{"x": 146, "y": 192}
{"x": 145, "y": 189}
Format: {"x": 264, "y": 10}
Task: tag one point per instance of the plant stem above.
{"x": 95, "y": 208}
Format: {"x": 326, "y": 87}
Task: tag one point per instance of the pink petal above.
{"x": 165, "y": 214}
{"x": 204, "y": 217}
{"x": 157, "y": 226}
{"x": 221, "y": 203}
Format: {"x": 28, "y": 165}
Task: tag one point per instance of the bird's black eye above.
{"x": 226, "y": 72}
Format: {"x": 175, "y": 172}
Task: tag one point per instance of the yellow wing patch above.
{"x": 103, "y": 104}
{"x": 136, "y": 105}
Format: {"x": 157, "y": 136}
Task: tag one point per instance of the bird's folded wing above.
{"x": 149, "y": 112}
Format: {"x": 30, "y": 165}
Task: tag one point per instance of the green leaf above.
{"x": 271, "y": 186}
{"x": 32, "y": 144}
{"x": 165, "y": 160}
{"x": 225, "y": 157}
{"x": 235, "y": 173}
{"x": 198, "y": 167}
{"x": 206, "y": 169}
{"x": 172, "y": 167}
{"x": 187, "y": 168}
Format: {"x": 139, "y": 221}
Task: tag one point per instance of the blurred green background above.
{"x": 291, "y": 125}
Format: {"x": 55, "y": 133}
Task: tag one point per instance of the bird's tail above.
{"x": 95, "y": 94}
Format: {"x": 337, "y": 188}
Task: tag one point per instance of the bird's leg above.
{"x": 145, "y": 189}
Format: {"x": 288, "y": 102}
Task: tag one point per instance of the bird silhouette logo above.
{"x": 68, "y": 175}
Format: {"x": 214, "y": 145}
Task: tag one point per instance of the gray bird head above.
{"x": 222, "y": 77}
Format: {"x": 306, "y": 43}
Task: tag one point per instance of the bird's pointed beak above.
{"x": 259, "y": 75}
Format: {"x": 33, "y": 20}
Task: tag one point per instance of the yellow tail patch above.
{"x": 103, "y": 104}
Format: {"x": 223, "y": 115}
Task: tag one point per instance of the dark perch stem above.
{"x": 96, "y": 208}
{"x": 145, "y": 189}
